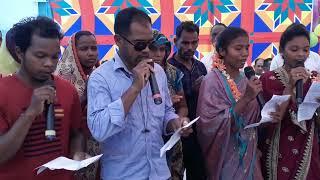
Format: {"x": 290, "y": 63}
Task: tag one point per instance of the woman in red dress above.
{"x": 290, "y": 148}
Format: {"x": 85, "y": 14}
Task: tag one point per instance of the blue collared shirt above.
{"x": 130, "y": 143}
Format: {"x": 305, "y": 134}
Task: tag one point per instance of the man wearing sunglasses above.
{"x": 121, "y": 112}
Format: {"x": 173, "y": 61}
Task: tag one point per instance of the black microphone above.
{"x": 299, "y": 86}
{"x": 154, "y": 88}
{"x": 50, "y": 133}
{"x": 249, "y": 72}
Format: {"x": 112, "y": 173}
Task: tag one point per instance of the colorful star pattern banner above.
{"x": 264, "y": 20}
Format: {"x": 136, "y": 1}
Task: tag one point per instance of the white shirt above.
{"x": 312, "y": 63}
{"x": 207, "y": 61}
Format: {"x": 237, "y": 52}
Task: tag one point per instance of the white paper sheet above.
{"x": 310, "y": 103}
{"x": 68, "y": 164}
{"x": 269, "y": 107}
{"x": 175, "y": 138}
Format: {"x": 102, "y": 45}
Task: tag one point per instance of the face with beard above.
{"x": 296, "y": 51}
{"x": 140, "y": 33}
{"x": 187, "y": 44}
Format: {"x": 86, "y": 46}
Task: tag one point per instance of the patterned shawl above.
{"x": 70, "y": 69}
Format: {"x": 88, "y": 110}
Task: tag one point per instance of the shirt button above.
{"x": 145, "y": 131}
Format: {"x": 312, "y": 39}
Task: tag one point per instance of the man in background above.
{"x": 186, "y": 41}
{"x": 258, "y": 67}
{"x": 214, "y": 32}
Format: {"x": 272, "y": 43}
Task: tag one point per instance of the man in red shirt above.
{"x": 24, "y": 95}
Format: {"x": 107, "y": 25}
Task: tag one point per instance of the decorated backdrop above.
{"x": 263, "y": 19}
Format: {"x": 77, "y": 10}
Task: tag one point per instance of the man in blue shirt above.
{"x": 121, "y": 112}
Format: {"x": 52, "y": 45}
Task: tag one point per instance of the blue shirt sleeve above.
{"x": 105, "y": 117}
{"x": 169, "y": 110}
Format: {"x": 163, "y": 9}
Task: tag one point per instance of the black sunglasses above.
{"x": 138, "y": 46}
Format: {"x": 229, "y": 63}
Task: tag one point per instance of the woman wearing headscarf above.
{"x": 9, "y": 62}
{"x": 78, "y": 61}
{"x": 159, "y": 51}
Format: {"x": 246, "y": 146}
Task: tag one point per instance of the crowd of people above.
{"x": 109, "y": 108}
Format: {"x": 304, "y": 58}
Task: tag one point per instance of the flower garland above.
{"x": 218, "y": 63}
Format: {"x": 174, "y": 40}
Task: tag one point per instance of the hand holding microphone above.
{"x": 143, "y": 72}
{"x": 42, "y": 97}
{"x": 50, "y": 133}
{"x": 254, "y": 87}
{"x": 298, "y": 76}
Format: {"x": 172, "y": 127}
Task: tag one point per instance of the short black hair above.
{"x": 78, "y": 35}
{"x": 292, "y": 31}
{"x": 127, "y": 16}
{"x": 11, "y": 45}
{"x": 218, "y": 24}
{"x": 188, "y": 26}
{"x": 42, "y": 26}
{"x": 256, "y": 60}
{"x": 226, "y": 36}
{"x": 266, "y": 61}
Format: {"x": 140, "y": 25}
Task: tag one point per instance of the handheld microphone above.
{"x": 299, "y": 86}
{"x": 249, "y": 72}
{"x": 50, "y": 133}
{"x": 154, "y": 88}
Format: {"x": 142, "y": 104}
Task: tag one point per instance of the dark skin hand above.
{"x": 175, "y": 124}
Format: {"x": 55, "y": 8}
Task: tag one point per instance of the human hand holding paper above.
{"x": 175, "y": 137}
{"x": 269, "y": 108}
{"x": 310, "y": 103}
{"x": 67, "y": 164}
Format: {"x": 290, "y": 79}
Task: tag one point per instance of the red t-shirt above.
{"x": 15, "y": 97}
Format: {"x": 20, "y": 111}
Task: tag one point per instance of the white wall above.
{"x": 11, "y": 11}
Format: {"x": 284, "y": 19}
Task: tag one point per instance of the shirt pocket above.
{"x": 118, "y": 145}
{"x": 157, "y": 110}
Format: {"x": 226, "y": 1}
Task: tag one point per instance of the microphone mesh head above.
{"x": 300, "y": 64}
{"x": 50, "y": 82}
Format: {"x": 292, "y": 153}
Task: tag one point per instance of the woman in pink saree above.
{"x": 226, "y": 105}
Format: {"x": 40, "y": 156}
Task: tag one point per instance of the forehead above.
{"x": 141, "y": 31}
{"x": 259, "y": 61}
{"x": 48, "y": 45}
{"x": 298, "y": 41}
{"x": 86, "y": 39}
{"x": 241, "y": 40}
{"x": 188, "y": 36}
